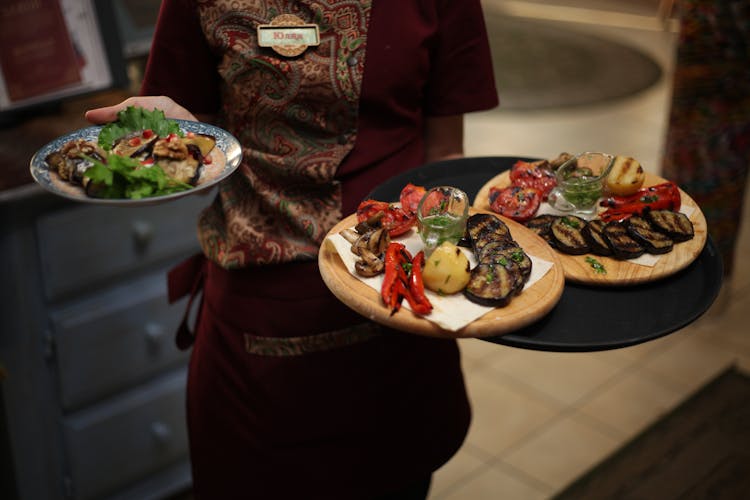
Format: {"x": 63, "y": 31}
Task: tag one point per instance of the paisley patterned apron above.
{"x": 296, "y": 119}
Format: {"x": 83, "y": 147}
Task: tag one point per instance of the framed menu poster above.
{"x": 50, "y": 49}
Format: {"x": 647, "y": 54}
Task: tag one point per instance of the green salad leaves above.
{"x": 135, "y": 119}
{"x": 125, "y": 177}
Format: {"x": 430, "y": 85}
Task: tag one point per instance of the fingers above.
{"x": 170, "y": 108}
{"x": 99, "y": 116}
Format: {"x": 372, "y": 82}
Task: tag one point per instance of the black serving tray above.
{"x": 587, "y": 318}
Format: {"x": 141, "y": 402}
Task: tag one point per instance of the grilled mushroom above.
{"x": 369, "y": 265}
{"x": 373, "y": 222}
{"x": 369, "y": 247}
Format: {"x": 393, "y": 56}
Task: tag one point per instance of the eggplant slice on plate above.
{"x": 567, "y": 232}
{"x": 623, "y": 245}
{"x": 676, "y": 225}
{"x": 593, "y": 233}
{"x": 643, "y": 232}
{"x": 503, "y": 267}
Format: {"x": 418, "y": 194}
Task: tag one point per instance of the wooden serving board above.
{"x": 623, "y": 272}
{"x": 530, "y": 305}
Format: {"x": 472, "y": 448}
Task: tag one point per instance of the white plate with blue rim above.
{"x": 225, "y": 157}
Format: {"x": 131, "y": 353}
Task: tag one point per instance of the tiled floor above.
{"x": 542, "y": 419}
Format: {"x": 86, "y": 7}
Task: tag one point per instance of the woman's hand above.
{"x": 171, "y": 109}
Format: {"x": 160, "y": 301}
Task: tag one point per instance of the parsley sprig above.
{"x": 123, "y": 177}
{"x": 136, "y": 119}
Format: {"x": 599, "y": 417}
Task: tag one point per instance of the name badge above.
{"x": 288, "y": 35}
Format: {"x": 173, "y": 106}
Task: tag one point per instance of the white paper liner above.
{"x": 450, "y": 312}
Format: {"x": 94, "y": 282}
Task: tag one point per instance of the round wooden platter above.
{"x": 623, "y": 272}
{"x": 530, "y": 305}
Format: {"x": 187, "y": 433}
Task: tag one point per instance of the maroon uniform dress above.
{"x": 290, "y": 393}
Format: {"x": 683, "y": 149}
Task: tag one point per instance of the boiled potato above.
{"x": 446, "y": 271}
{"x": 626, "y": 176}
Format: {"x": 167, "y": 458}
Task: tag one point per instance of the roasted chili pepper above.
{"x": 665, "y": 196}
{"x": 403, "y": 280}
{"x": 392, "y": 261}
{"x": 419, "y": 302}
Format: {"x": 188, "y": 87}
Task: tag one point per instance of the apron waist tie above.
{"x": 186, "y": 279}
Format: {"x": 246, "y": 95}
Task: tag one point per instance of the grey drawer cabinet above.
{"x": 130, "y": 329}
{"x": 120, "y": 441}
{"x": 93, "y": 386}
{"x": 84, "y": 247}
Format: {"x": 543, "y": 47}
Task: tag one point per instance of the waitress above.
{"x": 290, "y": 393}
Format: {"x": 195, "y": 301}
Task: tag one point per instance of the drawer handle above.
{"x": 161, "y": 433}
{"x": 143, "y": 232}
{"x": 154, "y": 333}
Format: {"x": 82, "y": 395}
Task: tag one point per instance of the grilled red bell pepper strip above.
{"x": 392, "y": 266}
{"x": 418, "y": 301}
{"x": 665, "y": 196}
{"x": 399, "y": 292}
{"x": 403, "y": 280}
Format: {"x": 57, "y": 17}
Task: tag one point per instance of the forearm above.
{"x": 444, "y": 138}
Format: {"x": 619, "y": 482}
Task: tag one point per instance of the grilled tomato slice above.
{"x": 515, "y": 202}
{"x": 536, "y": 174}
{"x": 395, "y": 220}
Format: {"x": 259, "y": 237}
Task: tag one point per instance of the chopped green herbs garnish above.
{"x": 597, "y": 266}
{"x": 490, "y": 277}
{"x": 571, "y": 222}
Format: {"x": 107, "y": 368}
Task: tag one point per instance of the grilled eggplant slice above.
{"x": 676, "y": 225}
{"x": 511, "y": 254}
{"x": 652, "y": 240}
{"x": 567, "y": 234}
{"x": 503, "y": 267}
{"x": 483, "y": 229}
{"x": 70, "y": 161}
{"x": 512, "y": 257}
{"x": 541, "y": 225}
{"x": 595, "y": 239}
{"x": 136, "y": 145}
{"x": 491, "y": 285}
{"x": 623, "y": 245}
{"x": 489, "y": 250}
